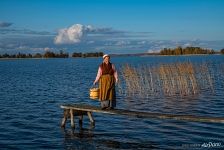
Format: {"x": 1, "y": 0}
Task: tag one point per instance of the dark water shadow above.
{"x": 81, "y": 138}
{"x": 119, "y": 144}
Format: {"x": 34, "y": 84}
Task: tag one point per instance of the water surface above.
{"x": 32, "y": 90}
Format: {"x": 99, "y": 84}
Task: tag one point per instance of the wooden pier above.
{"x": 71, "y": 110}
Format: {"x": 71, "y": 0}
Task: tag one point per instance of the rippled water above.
{"x": 32, "y": 90}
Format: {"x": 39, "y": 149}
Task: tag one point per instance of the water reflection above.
{"x": 119, "y": 144}
{"x": 78, "y": 139}
{"x": 81, "y": 133}
{"x": 85, "y": 139}
{"x": 182, "y": 105}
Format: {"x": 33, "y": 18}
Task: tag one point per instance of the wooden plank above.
{"x": 138, "y": 114}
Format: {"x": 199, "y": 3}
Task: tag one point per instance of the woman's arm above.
{"x": 99, "y": 73}
{"x": 115, "y": 73}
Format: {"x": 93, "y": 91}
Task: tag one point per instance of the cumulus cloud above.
{"x": 5, "y": 24}
{"x": 71, "y": 35}
{"x": 76, "y": 33}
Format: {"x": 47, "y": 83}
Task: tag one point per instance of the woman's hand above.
{"x": 116, "y": 81}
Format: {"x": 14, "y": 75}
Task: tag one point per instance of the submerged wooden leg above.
{"x": 72, "y": 118}
{"x": 80, "y": 119}
{"x": 91, "y": 118}
{"x": 65, "y": 116}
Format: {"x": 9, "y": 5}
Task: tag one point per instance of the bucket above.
{"x": 94, "y": 93}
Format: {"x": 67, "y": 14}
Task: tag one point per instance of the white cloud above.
{"x": 90, "y": 42}
{"x": 187, "y": 44}
{"x": 122, "y": 43}
{"x": 153, "y": 50}
{"x": 71, "y": 35}
{"x": 141, "y": 42}
{"x": 48, "y": 49}
{"x": 77, "y": 32}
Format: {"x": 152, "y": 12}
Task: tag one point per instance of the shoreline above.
{"x": 115, "y": 55}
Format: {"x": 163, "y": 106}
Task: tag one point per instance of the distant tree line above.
{"x": 61, "y": 54}
{"x": 49, "y": 54}
{"x": 19, "y": 55}
{"x": 187, "y": 50}
{"x": 222, "y": 51}
{"x": 96, "y": 54}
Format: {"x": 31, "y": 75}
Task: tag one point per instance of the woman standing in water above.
{"x": 107, "y": 77}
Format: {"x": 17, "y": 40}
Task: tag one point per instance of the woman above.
{"x": 107, "y": 77}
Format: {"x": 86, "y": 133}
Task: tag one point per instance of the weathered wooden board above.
{"x": 138, "y": 114}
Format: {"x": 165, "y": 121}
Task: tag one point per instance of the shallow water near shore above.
{"x": 32, "y": 90}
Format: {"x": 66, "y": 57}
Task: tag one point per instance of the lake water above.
{"x": 32, "y": 90}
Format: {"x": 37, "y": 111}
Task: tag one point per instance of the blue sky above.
{"x": 115, "y": 26}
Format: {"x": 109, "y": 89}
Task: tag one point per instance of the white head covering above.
{"x": 106, "y": 55}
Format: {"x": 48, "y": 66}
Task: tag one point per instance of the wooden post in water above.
{"x": 72, "y": 118}
{"x": 65, "y": 116}
{"x": 80, "y": 119}
{"x": 71, "y": 113}
{"x": 91, "y": 118}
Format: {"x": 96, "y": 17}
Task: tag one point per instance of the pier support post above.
{"x": 72, "y": 118}
{"x": 91, "y": 118}
{"x": 80, "y": 120}
{"x": 65, "y": 116}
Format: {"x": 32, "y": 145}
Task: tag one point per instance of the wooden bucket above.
{"x": 94, "y": 93}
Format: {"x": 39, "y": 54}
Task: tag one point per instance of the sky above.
{"x": 111, "y": 26}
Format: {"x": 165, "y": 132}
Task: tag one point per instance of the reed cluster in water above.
{"x": 174, "y": 79}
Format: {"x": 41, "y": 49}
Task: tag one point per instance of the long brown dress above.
{"x": 107, "y": 94}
